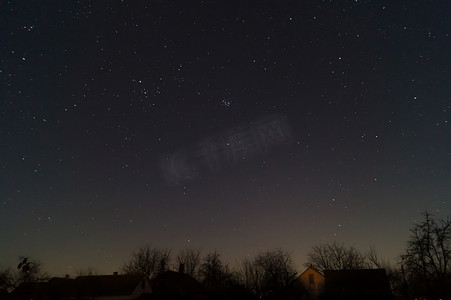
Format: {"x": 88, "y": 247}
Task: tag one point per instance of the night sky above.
{"x": 239, "y": 126}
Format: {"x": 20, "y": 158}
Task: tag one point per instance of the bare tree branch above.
{"x": 190, "y": 259}
{"x": 428, "y": 253}
{"x": 335, "y": 257}
{"x": 148, "y": 261}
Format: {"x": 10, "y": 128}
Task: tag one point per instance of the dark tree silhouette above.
{"x": 29, "y": 271}
{"x": 335, "y": 257}
{"x": 214, "y": 274}
{"x": 148, "y": 261}
{"x": 251, "y": 276}
{"x": 6, "y": 279}
{"x": 394, "y": 274}
{"x": 190, "y": 259}
{"x": 428, "y": 255}
{"x": 269, "y": 273}
{"x": 278, "y": 270}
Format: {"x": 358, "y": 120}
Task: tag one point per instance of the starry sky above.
{"x": 239, "y": 126}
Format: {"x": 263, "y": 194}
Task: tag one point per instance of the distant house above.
{"x": 101, "y": 287}
{"x": 310, "y": 283}
{"x": 176, "y": 285}
{"x": 370, "y": 284}
{"x": 111, "y": 287}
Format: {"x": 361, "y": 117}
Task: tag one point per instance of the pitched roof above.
{"x": 107, "y": 285}
{"x": 172, "y": 283}
{"x": 100, "y": 285}
{"x": 311, "y": 268}
{"x": 59, "y": 286}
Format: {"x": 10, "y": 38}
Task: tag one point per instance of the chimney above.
{"x": 182, "y": 268}
{"x": 115, "y": 273}
{"x": 67, "y": 276}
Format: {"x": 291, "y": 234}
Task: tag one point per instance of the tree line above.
{"x": 423, "y": 268}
